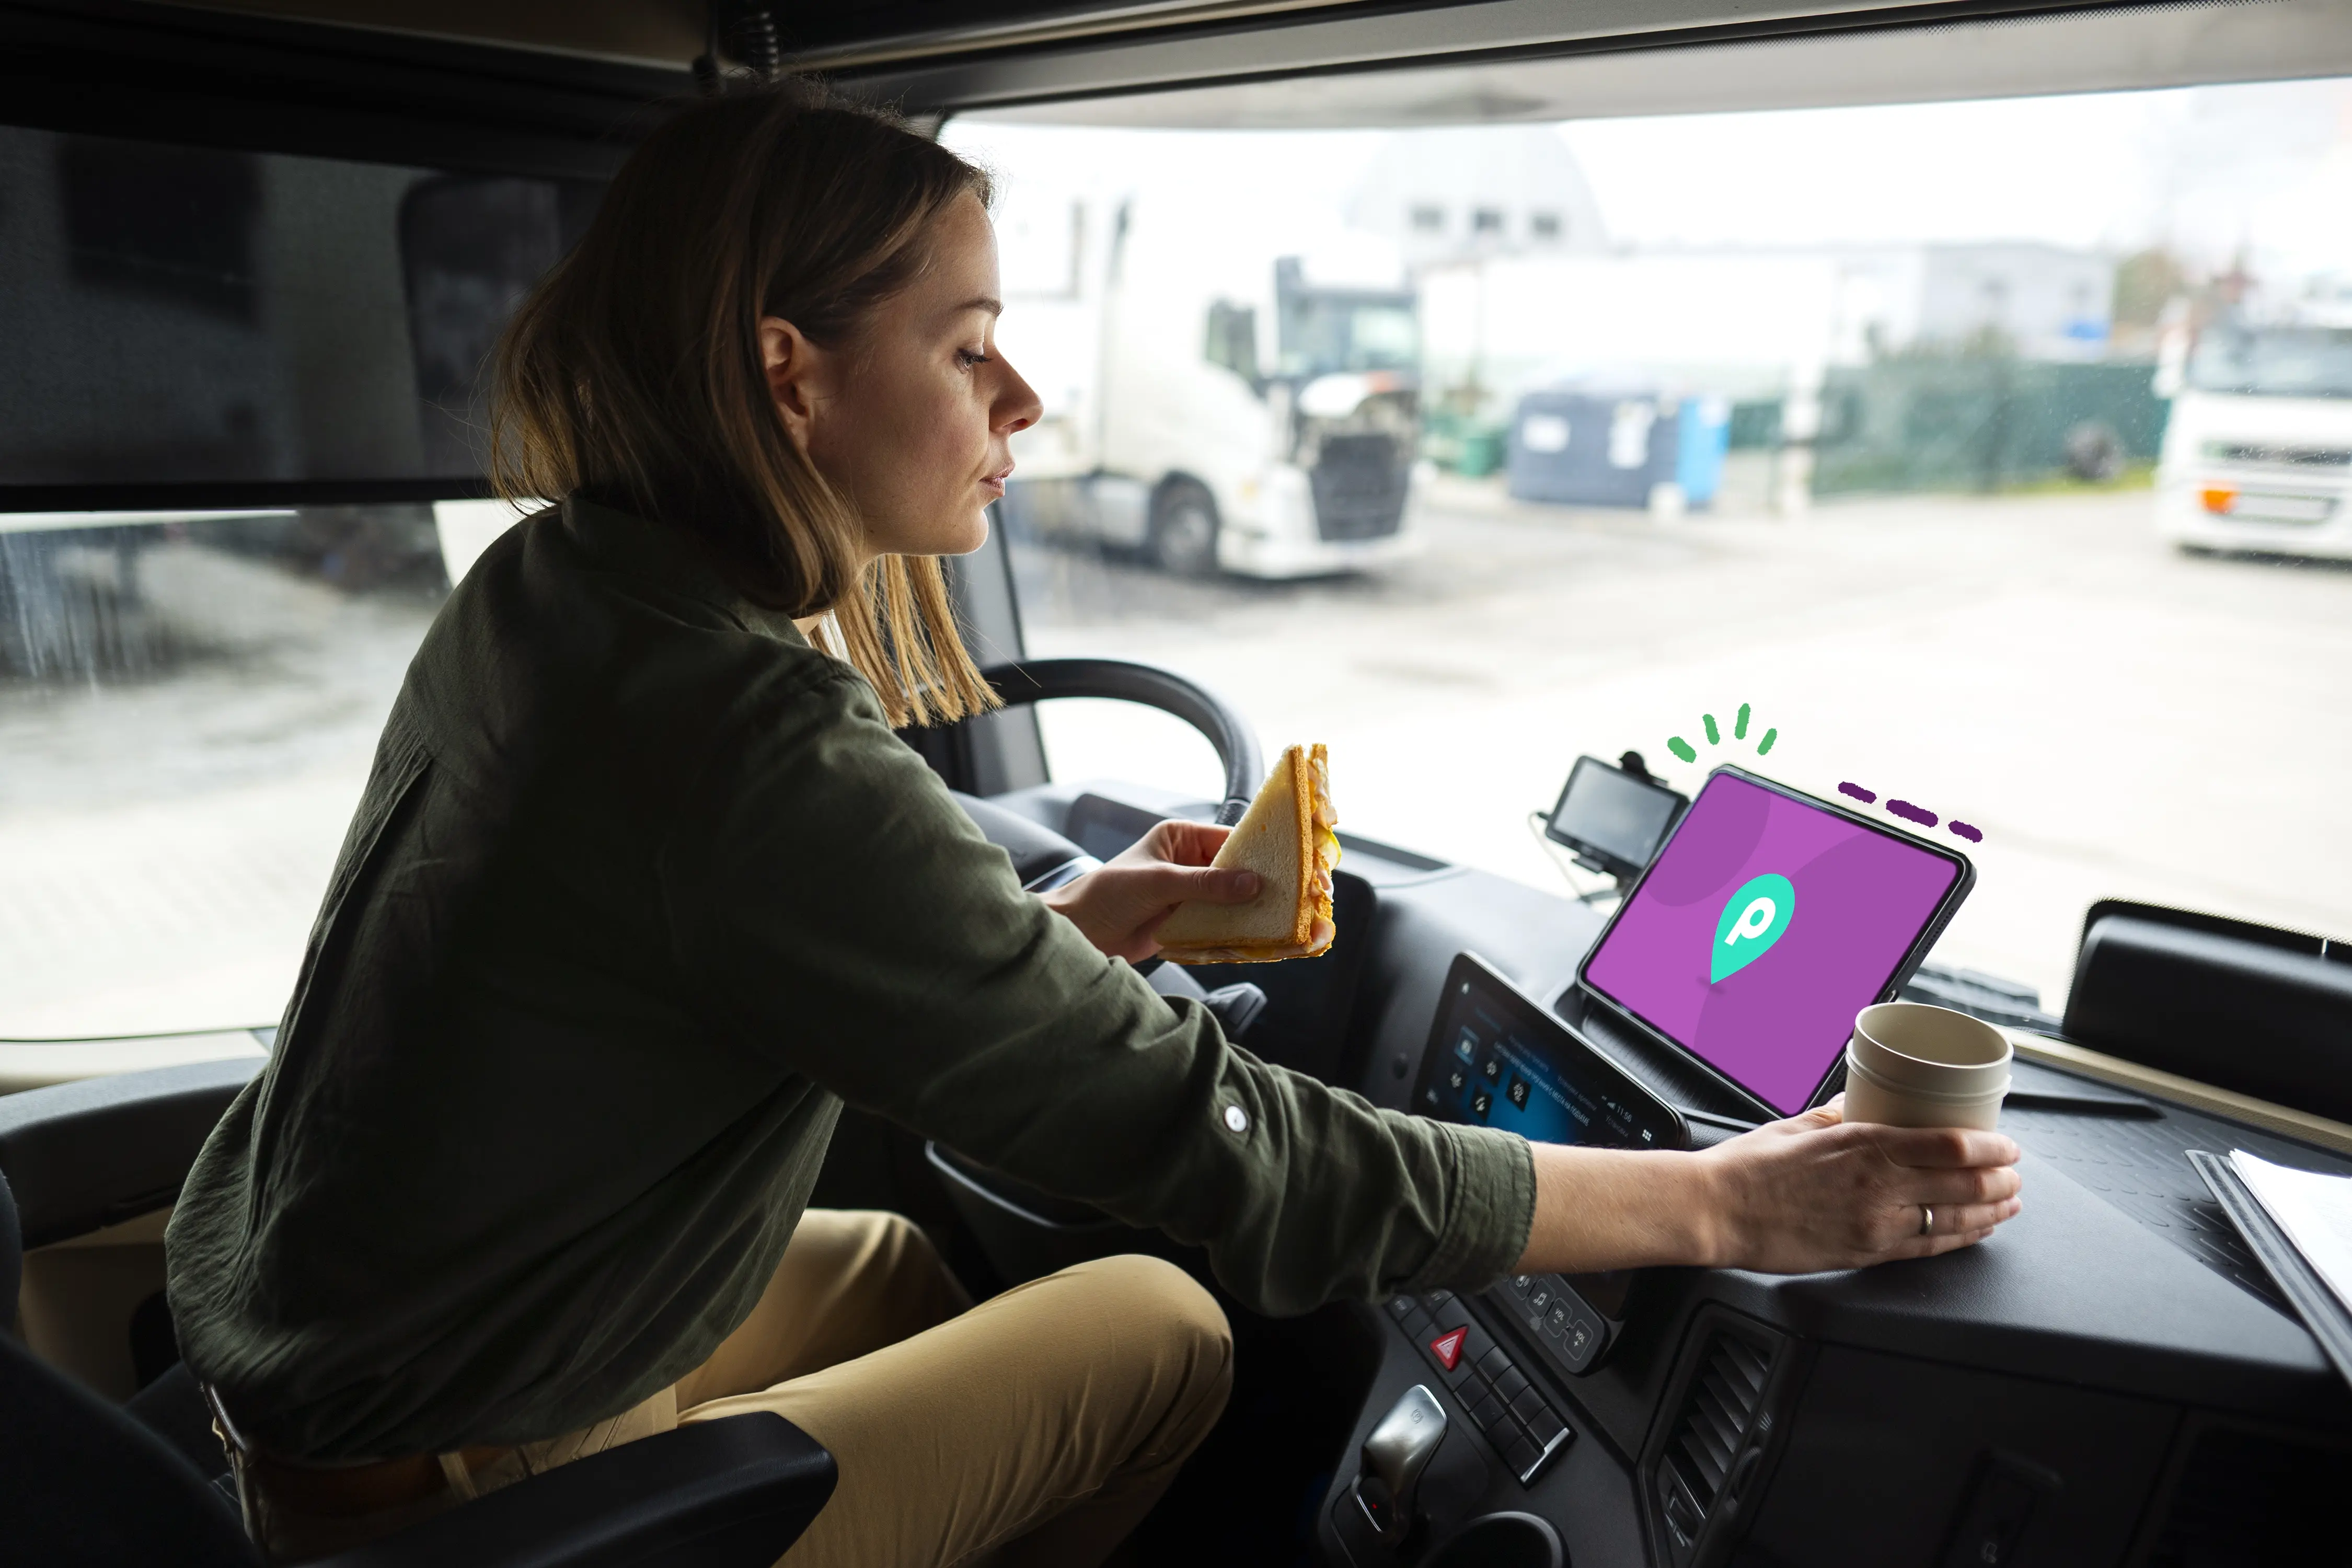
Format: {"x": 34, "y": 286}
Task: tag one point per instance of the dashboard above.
{"x": 2107, "y": 1380}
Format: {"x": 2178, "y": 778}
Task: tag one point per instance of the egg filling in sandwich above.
{"x": 1288, "y": 839}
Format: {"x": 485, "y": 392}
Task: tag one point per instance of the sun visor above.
{"x": 1470, "y": 64}
{"x": 212, "y": 326}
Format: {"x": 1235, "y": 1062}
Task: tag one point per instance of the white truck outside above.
{"x": 1215, "y": 405}
{"x": 2257, "y": 451}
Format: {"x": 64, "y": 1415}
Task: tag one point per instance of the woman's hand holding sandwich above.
{"x": 1122, "y": 904}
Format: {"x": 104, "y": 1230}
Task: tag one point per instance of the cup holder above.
{"x": 1500, "y": 1541}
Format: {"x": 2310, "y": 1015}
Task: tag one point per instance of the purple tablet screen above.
{"x": 1767, "y": 923}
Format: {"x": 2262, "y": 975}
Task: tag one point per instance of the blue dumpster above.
{"x": 1585, "y": 447}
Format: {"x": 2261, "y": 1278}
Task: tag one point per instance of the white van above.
{"x": 2258, "y": 452}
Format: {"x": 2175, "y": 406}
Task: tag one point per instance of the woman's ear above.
{"x": 798, "y": 374}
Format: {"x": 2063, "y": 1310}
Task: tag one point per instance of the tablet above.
{"x": 1767, "y": 922}
{"x": 1498, "y": 1059}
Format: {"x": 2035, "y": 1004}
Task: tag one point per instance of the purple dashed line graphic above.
{"x": 1909, "y": 813}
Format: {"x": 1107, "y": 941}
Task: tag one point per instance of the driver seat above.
{"x": 88, "y": 1485}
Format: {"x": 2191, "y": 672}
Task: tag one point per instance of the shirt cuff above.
{"x": 1494, "y": 1209}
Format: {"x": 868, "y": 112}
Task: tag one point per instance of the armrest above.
{"x": 91, "y": 1154}
{"x": 732, "y": 1493}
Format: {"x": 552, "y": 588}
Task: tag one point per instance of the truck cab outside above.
{"x": 1254, "y": 410}
{"x": 2258, "y": 453}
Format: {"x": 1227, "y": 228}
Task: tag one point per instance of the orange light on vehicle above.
{"x": 2219, "y": 500}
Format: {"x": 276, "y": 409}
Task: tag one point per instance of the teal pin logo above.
{"x": 1751, "y": 922}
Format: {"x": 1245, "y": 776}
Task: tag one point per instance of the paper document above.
{"x": 2315, "y": 1211}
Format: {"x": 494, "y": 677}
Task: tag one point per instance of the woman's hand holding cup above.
{"x": 1906, "y": 1167}
{"x": 1817, "y": 1191}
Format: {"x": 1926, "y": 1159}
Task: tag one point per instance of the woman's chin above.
{"x": 973, "y": 535}
{"x": 959, "y": 535}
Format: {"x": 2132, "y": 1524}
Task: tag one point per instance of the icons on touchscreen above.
{"x": 1479, "y": 1075}
{"x": 1753, "y": 919}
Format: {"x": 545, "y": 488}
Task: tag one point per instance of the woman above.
{"x": 643, "y": 887}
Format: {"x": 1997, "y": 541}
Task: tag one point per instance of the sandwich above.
{"x": 1287, "y": 838}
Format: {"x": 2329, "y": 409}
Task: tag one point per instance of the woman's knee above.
{"x": 889, "y": 1248}
{"x": 1183, "y": 1321}
{"x": 1187, "y": 1347}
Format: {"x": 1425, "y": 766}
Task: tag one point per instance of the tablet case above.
{"x": 2329, "y": 1320}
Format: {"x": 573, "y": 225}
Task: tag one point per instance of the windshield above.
{"x": 1834, "y": 432}
{"x": 1324, "y": 335}
{"x": 1845, "y": 420}
{"x": 2274, "y": 361}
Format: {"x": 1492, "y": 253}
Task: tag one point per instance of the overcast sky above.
{"x": 2268, "y": 167}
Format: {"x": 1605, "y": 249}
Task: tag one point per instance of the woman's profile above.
{"x": 643, "y": 889}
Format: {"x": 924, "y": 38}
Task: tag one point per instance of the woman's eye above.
{"x": 970, "y": 357}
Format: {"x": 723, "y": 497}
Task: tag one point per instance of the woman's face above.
{"x": 911, "y": 419}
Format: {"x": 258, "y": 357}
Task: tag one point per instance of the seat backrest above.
{"x": 84, "y": 1485}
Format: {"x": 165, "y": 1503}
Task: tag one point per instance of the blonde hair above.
{"x": 631, "y": 374}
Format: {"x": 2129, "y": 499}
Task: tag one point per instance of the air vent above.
{"x": 1717, "y": 1413}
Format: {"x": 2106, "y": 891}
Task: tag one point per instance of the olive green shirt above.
{"x": 642, "y": 888}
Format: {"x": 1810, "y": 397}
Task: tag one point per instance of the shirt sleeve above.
{"x": 839, "y": 914}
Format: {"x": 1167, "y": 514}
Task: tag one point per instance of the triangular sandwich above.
{"x": 1287, "y": 838}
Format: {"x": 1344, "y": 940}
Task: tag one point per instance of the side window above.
{"x": 1232, "y": 339}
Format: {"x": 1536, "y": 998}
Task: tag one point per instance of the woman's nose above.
{"x": 1017, "y": 404}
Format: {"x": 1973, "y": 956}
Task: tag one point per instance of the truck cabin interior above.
{"x": 1960, "y": 385}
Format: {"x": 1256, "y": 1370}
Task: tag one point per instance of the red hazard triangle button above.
{"x": 1447, "y": 1348}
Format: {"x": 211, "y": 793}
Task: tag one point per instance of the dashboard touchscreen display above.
{"x": 1767, "y": 921}
{"x": 1497, "y": 1060}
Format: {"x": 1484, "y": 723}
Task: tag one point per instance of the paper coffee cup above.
{"x": 1911, "y": 1065}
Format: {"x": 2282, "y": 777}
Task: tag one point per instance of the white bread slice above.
{"x": 1287, "y": 838}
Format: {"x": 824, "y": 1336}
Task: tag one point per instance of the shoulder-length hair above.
{"x": 632, "y": 375}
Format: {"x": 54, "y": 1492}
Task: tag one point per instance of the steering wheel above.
{"x": 1011, "y": 1219}
{"x": 1042, "y": 679}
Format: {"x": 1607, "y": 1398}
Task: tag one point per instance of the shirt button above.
{"x": 1236, "y": 1119}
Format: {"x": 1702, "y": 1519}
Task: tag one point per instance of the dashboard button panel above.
{"x": 1502, "y": 1403}
{"x": 1572, "y": 1333}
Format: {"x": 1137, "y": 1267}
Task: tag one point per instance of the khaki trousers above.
{"x": 1035, "y": 1428}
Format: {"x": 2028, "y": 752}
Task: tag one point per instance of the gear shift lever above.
{"x": 1394, "y": 1456}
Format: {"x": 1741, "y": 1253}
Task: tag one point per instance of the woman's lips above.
{"x": 994, "y": 483}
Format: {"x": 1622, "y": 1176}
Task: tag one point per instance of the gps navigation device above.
{"x": 1767, "y": 922}
{"x": 1611, "y": 819}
